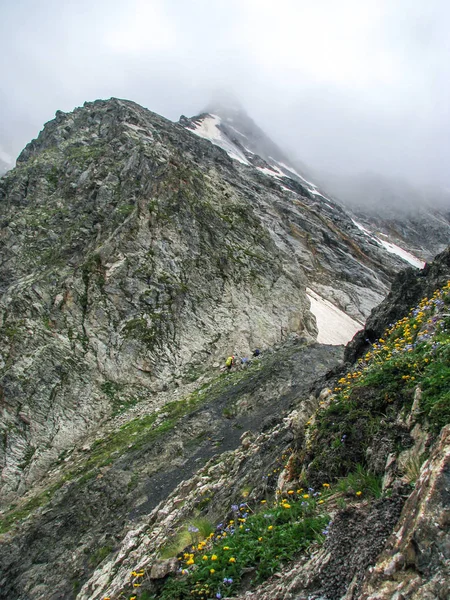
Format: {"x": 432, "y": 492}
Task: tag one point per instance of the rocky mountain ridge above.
{"x": 390, "y": 515}
{"x": 391, "y": 212}
{"x": 135, "y": 256}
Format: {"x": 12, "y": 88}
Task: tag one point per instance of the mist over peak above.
{"x": 362, "y": 86}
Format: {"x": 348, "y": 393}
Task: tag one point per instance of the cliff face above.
{"x": 127, "y": 257}
{"x": 134, "y": 256}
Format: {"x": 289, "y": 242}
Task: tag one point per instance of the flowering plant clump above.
{"x": 415, "y": 351}
{"x": 262, "y": 540}
{"x": 412, "y": 353}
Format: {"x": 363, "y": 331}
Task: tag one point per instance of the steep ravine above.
{"x": 100, "y": 493}
{"x": 375, "y": 449}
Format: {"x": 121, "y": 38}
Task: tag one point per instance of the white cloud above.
{"x": 145, "y": 27}
{"x": 5, "y": 157}
{"x": 344, "y": 84}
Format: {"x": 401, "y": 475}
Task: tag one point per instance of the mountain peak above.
{"x": 224, "y": 103}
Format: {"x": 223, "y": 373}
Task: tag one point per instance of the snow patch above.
{"x": 273, "y": 172}
{"x": 334, "y": 325}
{"x": 393, "y": 248}
{"x": 208, "y": 129}
{"x": 403, "y": 254}
{"x": 316, "y": 193}
{"x": 295, "y": 173}
{"x": 362, "y": 228}
{"x": 283, "y": 187}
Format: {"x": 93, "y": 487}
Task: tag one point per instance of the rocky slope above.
{"x": 135, "y": 256}
{"x": 416, "y": 216}
{"x": 395, "y": 215}
{"x": 371, "y": 455}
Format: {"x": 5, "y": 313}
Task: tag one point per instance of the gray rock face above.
{"x": 135, "y": 254}
{"x": 416, "y": 560}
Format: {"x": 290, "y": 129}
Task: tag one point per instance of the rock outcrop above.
{"x": 408, "y": 288}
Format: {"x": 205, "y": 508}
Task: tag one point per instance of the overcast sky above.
{"x": 344, "y": 85}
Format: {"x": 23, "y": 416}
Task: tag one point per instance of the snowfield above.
{"x": 209, "y": 130}
{"x": 334, "y": 325}
{"x": 393, "y": 248}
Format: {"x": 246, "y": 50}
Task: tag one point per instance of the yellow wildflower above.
{"x": 214, "y": 557}
{"x": 263, "y": 501}
{"x": 270, "y": 527}
{"x": 290, "y": 492}
{"x": 326, "y": 485}
{"x": 226, "y": 547}
{"x": 190, "y": 561}
{"x": 212, "y": 571}
{"x": 260, "y": 539}
{"x": 358, "y": 493}
{"x": 232, "y": 559}
{"x": 204, "y": 557}
{"x": 305, "y": 496}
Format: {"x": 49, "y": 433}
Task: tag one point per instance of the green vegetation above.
{"x": 26, "y": 509}
{"x": 29, "y": 453}
{"x": 194, "y": 532}
{"x": 85, "y": 154}
{"x": 99, "y": 555}
{"x": 413, "y": 353}
{"x": 193, "y": 373}
{"x": 254, "y": 542}
{"x": 131, "y": 436}
{"x": 361, "y": 481}
{"x": 148, "y": 333}
{"x": 260, "y": 540}
{"x": 124, "y": 210}
{"x": 120, "y": 399}
{"x": 53, "y": 176}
